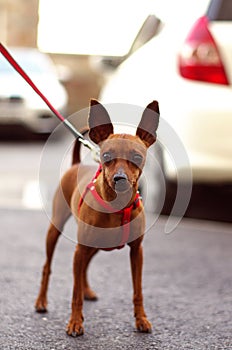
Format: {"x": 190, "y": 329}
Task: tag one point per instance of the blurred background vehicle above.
{"x": 188, "y": 69}
{"x": 19, "y": 104}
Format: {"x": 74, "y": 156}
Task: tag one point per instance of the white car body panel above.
{"x": 222, "y": 33}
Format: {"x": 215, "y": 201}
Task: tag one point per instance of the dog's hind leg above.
{"x": 61, "y": 213}
{"x": 136, "y": 257}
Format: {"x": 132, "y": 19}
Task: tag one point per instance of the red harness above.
{"x": 126, "y": 212}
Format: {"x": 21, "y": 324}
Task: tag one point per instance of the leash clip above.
{"x": 94, "y": 149}
{"x": 96, "y": 154}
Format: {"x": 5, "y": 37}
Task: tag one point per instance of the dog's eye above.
{"x": 107, "y": 157}
{"x": 137, "y": 159}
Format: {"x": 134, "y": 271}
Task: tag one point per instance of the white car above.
{"x": 19, "y": 104}
{"x": 188, "y": 68}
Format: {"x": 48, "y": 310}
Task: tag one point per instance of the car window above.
{"x": 30, "y": 61}
{"x": 5, "y": 67}
{"x": 220, "y": 10}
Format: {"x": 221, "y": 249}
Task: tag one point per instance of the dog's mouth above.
{"x": 121, "y": 183}
{"x": 122, "y": 186}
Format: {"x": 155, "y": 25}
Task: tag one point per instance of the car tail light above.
{"x": 199, "y": 58}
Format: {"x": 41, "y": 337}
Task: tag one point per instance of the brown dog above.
{"x": 108, "y": 211}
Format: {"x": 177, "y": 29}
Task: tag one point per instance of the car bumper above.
{"x": 39, "y": 121}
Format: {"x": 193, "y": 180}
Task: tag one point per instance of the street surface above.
{"x": 187, "y": 273}
{"x": 187, "y": 289}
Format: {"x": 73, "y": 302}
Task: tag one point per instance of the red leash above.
{"x": 68, "y": 125}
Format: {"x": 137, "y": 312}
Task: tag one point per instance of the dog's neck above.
{"x": 118, "y": 200}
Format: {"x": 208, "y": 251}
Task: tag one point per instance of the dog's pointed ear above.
{"x": 99, "y": 122}
{"x": 149, "y": 123}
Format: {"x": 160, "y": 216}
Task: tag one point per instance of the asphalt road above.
{"x": 187, "y": 288}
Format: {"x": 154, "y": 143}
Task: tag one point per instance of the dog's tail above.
{"x": 76, "y": 157}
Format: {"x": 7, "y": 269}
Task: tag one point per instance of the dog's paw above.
{"x": 89, "y": 294}
{"x": 75, "y": 328}
{"x": 143, "y": 325}
{"x": 41, "y": 305}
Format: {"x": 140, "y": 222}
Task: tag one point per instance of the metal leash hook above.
{"x": 95, "y": 151}
{"x": 67, "y": 124}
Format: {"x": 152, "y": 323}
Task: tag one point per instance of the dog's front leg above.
{"x": 75, "y": 325}
{"x": 136, "y": 256}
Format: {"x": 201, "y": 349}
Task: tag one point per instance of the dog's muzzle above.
{"x": 121, "y": 182}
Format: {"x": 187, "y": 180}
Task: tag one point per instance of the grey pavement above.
{"x": 187, "y": 288}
